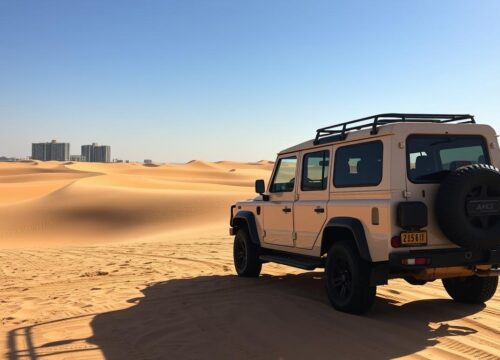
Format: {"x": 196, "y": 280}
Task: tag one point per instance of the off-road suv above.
{"x": 412, "y": 196}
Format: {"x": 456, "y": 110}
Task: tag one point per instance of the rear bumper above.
{"x": 443, "y": 258}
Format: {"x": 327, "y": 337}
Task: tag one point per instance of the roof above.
{"x": 394, "y": 128}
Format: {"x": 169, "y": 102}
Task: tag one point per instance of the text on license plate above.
{"x": 414, "y": 238}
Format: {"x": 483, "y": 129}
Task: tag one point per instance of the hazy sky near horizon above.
{"x": 238, "y": 80}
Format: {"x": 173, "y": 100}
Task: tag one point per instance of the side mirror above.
{"x": 260, "y": 187}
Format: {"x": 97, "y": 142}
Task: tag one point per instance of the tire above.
{"x": 246, "y": 255}
{"x": 471, "y": 289}
{"x": 478, "y": 182}
{"x": 348, "y": 280}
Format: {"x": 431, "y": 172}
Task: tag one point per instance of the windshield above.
{"x": 430, "y": 158}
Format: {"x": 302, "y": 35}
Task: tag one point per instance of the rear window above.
{"x": 431, "y": 158}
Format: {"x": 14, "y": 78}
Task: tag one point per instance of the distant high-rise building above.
{"x": 87, "y": 152}
{"x": 50, "y": 151}
{"x": 96, "y": 153}
{"x": 102, "y": 153}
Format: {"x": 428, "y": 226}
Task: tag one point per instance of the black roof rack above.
{"x": 339, "y": 131}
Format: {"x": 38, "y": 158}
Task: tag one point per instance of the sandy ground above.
{"x": 105, "y": 261}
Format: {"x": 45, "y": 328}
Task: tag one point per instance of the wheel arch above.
{"x": 342, "y": 228}
{"x": 246, "y": 219}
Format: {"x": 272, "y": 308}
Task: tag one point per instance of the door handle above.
{"x": 319, "y": 210}
{"x": 286, "y": 210}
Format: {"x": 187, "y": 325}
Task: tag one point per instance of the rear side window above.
{"x": 315, "y": 171}
{"x": 358, "y": 165}
{"x": 430, "y": 158}
{"x": 284, "y": 178}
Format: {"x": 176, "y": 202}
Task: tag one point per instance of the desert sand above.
{"x": 126, "y": 261}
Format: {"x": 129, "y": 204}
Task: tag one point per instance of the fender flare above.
{"x": 356, "y": 228}
{"x": 249, "y": 219}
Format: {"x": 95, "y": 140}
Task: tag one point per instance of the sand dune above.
{"x": 29, "y": 180}
{"x": 124, "y": 261}
{"x": 45, "y": 204}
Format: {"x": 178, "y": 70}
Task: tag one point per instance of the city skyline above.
{"x": 60, "y": 151}
{"x": 176, "y": 81}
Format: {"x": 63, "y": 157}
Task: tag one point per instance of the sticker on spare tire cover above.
{"x": 483, "y": 207}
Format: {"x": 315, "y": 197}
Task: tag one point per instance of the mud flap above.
{"x": 379, "y": 274}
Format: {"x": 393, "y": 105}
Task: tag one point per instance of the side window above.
{"x": 315, "y": 171}
{"x": 284, "y": 178}
{"x": 358, "y": 165}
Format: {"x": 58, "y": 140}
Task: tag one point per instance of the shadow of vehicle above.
{"x": 287, "y": 317}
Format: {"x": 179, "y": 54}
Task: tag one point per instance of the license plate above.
{"x": 414, "y": 238}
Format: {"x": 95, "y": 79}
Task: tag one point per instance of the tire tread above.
{"x": 254, "y": 265}
{"x": 364, "y": 293}
{"x": 472, "y": 290}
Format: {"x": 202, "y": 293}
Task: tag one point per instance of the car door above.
{"x": 429, "y": 159}
{"x": 310, "y": 209}
{"x": 278, "y": 211}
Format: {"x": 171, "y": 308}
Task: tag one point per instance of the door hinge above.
{"x": 406, "y": 194}
{"x": 297, "y": 197}
{"x": 263, "y": 233}
{"x": 294, "y": 236}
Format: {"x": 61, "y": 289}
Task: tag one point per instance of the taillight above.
{"x": 396, "y": 242}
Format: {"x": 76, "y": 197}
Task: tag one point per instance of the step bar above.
{"x": 298, "y": 261}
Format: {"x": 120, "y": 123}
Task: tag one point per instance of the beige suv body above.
{"x": 372, "y": 184}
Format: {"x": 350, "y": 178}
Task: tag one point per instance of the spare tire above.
{"x": 468, "y": 206}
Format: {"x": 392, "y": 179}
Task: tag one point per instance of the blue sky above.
{"x": 240, "y": 80}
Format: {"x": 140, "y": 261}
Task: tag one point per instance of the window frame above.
{"x": 487, "y": 157}
{"x": 326, "y": 171}
{"x": 364, "y": 184}
{"x": 278, "y": 164}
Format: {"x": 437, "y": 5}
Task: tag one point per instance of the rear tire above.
{"x": 471, "y": 289}
{"x": 246, "y": 255}
{"x": 348, "y": 280}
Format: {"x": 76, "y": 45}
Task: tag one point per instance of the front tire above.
{"x": 471, "y": 289}
{"x": 348, "y": 280}
{"x": 246, "y": 255}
